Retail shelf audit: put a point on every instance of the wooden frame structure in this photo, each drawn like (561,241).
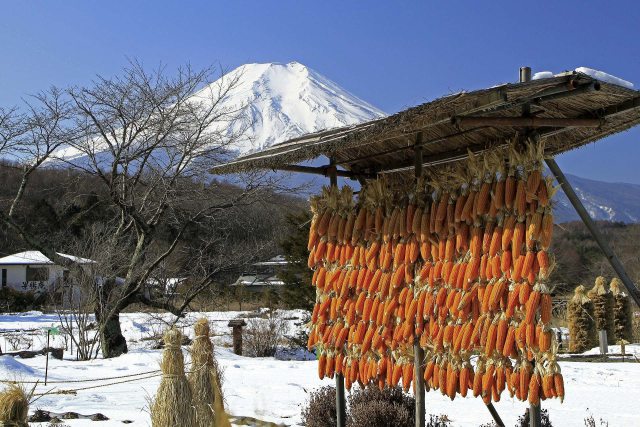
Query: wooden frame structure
(566,111)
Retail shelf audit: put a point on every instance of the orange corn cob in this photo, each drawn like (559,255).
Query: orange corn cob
(545,308)
(532,306)
(509,191)
(534,389)
(509,341)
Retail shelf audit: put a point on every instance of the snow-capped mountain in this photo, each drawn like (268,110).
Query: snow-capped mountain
(276,102)
(603,200)
(288,100)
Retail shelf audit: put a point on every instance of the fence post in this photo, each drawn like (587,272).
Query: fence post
(237,325)
(46,366)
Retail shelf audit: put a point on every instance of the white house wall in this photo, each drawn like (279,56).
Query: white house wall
(17,276)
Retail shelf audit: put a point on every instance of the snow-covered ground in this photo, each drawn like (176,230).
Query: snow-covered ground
(275,390)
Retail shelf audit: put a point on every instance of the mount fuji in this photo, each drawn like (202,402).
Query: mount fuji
(284,101)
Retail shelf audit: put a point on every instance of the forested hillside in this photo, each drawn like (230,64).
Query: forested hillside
(66,209)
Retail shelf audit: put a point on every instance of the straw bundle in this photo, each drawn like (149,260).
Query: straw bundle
(173,403)
(582,332)
(603,308)
(205,378)
(621,312)
(14,407)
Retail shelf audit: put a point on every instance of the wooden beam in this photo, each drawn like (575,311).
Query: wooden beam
(317,170)
(530,122)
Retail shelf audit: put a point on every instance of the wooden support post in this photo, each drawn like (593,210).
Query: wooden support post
(236,326)
(341,406)
(604,345)
(535,416)
(595,233)
(525,76)
(495,415)
(418,378)
(418,352)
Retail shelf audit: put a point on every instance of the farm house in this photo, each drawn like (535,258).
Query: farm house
(33,271)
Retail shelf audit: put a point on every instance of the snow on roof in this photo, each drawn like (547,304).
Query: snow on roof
(596,74)
(38,258)
(276,260)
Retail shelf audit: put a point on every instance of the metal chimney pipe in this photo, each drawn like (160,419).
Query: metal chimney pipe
(525,74)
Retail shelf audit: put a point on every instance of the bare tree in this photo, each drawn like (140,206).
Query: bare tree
(147,140)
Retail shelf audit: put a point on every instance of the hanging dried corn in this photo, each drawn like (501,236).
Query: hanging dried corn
(459,263)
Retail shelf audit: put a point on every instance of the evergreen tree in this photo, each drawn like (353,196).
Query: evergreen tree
(298,292)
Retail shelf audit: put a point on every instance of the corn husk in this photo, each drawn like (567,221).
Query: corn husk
(14,406)
(173,403)
(582,332)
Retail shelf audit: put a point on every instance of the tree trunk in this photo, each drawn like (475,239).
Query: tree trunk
(112,341)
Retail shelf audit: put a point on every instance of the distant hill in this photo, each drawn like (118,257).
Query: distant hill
(618,202)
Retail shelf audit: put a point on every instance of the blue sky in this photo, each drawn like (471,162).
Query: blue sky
(392,54)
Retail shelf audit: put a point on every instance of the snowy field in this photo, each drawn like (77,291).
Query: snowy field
(275,390)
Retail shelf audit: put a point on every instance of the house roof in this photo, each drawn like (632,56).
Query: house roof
(258,280)
(276,260)
(38,258)
(566,111)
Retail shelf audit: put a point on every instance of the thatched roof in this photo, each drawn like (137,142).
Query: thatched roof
(566,111)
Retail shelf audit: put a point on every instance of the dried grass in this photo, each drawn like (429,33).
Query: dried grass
(582,331)
(622,316)
(603,308)
(14,406)
(205,380)
(173,404)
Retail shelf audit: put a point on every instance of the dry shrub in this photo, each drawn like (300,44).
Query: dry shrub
(390,407)
(320,411)
(262,336)
(205,380)
(14,406)
(603,308)
(622,316)
(582,332)
(173,405)
(545,421)
(441,420)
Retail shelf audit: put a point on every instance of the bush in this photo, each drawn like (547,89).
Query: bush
(262,336)
(591,422)
(438,421)
(366,408)
(390,407)
(523,420)
(12,300)
(321,408)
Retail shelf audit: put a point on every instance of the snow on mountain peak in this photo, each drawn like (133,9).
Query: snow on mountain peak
(288,100)
(279,102)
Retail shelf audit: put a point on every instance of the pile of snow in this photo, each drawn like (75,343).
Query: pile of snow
(12,369)
(596,74)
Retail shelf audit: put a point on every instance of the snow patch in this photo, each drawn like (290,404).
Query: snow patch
(542,75)
(596,74)
(605,77)
(10,368)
